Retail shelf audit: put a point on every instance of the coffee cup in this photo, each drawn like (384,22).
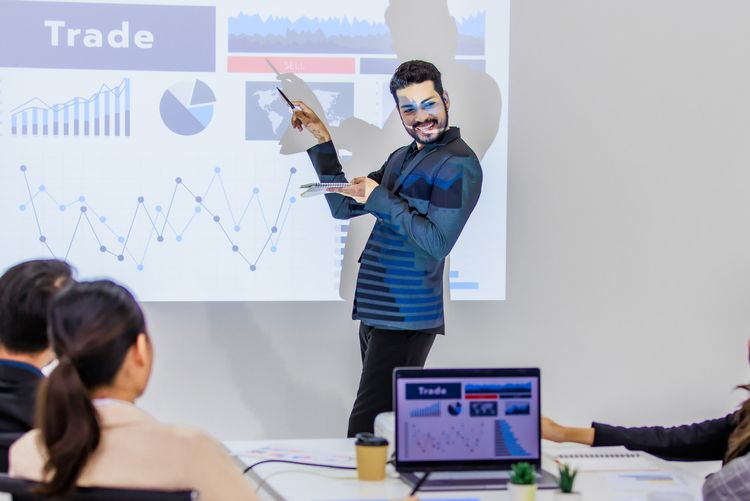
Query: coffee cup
(372,454)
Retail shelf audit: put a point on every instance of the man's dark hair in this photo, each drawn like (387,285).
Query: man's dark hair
(26,291)
(414,72)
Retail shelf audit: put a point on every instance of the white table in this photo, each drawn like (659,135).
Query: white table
(280,481)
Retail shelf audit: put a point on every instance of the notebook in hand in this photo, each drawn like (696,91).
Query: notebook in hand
(467,426)
(313,189)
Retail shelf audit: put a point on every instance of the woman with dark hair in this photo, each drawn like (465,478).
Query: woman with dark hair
(89,431)
(726,439)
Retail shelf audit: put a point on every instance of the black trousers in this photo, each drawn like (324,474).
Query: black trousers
(382,351)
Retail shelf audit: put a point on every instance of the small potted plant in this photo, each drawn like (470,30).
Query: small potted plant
(565,482)
(522,485)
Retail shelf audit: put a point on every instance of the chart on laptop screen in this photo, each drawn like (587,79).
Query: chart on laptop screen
(477,419)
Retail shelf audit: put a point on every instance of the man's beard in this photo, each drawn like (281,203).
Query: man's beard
(412,130)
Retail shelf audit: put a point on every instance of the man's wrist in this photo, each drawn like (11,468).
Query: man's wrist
(323,137)
(371,199)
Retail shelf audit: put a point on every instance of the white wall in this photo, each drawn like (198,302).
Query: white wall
(628,243)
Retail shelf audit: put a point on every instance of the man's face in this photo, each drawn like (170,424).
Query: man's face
(423,111)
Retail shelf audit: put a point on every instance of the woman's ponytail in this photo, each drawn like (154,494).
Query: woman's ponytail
(92,326)
(69,427)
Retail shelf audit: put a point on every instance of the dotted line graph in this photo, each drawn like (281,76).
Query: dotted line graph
(160,222)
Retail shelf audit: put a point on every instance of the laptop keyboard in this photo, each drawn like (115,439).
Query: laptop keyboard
(472,480)
(468,475)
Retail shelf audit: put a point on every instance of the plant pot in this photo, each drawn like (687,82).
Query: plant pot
(519,492)
(568,496)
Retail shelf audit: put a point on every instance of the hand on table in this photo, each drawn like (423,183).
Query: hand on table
(559,433)
(552,431)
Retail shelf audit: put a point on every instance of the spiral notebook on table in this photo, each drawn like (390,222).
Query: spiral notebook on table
(313,189)
(602,459)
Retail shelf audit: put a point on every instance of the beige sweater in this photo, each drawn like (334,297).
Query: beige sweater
(136,451)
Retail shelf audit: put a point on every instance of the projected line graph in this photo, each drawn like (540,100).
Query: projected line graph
(161,220)
(104,113)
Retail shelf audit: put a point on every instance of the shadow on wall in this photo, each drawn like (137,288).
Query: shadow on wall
(281,384)
(285,376)
(419,29)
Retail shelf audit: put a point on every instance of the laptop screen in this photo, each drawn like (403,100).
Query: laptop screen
(466,418)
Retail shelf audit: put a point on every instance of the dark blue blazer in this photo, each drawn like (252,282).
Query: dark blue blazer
(421,208)
(704,441)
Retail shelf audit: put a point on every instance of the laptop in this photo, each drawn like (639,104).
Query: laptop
(467,427)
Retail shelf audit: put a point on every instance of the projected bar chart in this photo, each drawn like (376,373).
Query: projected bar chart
(104,113)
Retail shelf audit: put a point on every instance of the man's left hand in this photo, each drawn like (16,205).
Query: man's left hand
(360,189)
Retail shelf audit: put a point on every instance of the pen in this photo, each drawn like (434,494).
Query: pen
(419,483)
(286,99)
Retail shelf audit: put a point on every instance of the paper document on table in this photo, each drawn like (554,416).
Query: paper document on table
(602,459)
(421,499)
(312,189)
(657,485)
(294,454)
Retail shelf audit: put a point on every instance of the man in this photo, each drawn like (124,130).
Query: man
(25,293)
(422,197)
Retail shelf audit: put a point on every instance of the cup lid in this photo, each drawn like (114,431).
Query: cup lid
(368,439)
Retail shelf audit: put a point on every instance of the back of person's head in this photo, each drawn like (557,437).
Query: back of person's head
(94,327)
(26,290)
(414,72)
(739,440)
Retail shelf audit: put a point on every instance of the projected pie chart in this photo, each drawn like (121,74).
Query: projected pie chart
(187,107)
